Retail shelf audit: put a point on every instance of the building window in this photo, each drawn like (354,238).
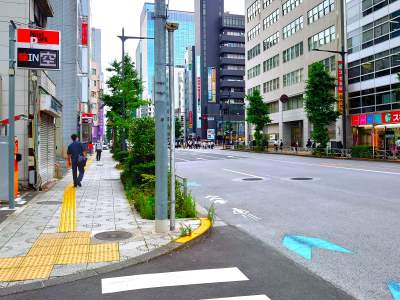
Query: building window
(266,3)
(295,102)
(320,10)
(233,45)
(253,10)
(254,72)
(329,63)
(271,19)
(369,6)
(234,56)
(322,38)
(94,83)
(232,67)
(271,63)
(293,27)
(375,66)
(292,78)
(271,41)
(374,33)
(250,91)
(233,33)
(293,52)
(273,107)
(93,71)
(253,52)
(271,85)
(290,5)
(253,32)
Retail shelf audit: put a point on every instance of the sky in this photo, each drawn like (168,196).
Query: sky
(111,15)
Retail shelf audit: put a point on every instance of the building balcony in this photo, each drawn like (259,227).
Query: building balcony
(233,50)
(231,84)
(232,61)
(232,38)
(238,73)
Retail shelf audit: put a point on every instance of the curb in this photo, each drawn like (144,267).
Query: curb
(144,258)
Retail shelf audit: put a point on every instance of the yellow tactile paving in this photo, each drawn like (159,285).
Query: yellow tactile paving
(33,261)
(95,257)
(72,258)
(111,247)
(8,263)
(77,234)
(58,235)
(76,241)
(49,242)
(7,274)
(28,273)
(74,249)
(68,211)
(42,251)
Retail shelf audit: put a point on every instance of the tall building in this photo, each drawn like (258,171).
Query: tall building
(96,88)
(373,41)
(183,38)
(72,19)
(219,67)
(35,97)
(280,38)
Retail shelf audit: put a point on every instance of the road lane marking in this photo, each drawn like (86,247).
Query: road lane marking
(216,199)
(241,173)
(245,213)
(255,297)
(358,169)
(157,280)
(179,158)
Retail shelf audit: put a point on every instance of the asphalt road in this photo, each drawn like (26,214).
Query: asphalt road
(353,204)
(267,273)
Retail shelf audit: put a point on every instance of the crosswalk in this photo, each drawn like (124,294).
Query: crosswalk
(180,278)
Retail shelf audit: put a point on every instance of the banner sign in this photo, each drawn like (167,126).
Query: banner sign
(376,119)
(198,108)
(340,85)
(214,85)
(190,119)
(38,49)
(209,85)
(85,33)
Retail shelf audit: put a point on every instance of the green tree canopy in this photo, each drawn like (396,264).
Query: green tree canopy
(320,102)
(124,96)
(178,128)
(258,115)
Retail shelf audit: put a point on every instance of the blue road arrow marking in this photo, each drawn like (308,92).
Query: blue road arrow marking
(193,184)
(303,245)
(394,288)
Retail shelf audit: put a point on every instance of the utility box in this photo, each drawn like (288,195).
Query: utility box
(4,168)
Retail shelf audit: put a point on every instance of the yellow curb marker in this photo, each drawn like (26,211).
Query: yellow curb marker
(205,224)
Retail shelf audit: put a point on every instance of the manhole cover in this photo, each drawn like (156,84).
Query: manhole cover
(49,202)
(301,178)
(113,235)
(252,179)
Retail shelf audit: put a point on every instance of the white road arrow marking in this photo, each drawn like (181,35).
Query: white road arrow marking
(216,199)
(245,214)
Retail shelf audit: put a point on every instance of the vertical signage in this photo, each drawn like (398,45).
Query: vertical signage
(85,33)
(190,119)
(214,85)
(340,85)
(209,84)
(198,108)
(38,49)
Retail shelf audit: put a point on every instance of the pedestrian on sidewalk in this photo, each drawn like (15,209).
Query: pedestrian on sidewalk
(281,145)
(99,149)
(276,145)
(77,160)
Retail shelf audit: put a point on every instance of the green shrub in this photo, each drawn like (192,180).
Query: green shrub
(361,152)
(121,156)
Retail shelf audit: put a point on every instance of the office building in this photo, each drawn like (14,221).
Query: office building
(280,38)
(219,67)
(183,38)
(373,42)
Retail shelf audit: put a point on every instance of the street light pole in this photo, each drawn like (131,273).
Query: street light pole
(123,39)
(171,27)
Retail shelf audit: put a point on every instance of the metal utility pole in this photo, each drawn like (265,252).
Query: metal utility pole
(11,114)
(161,116)
(171,27)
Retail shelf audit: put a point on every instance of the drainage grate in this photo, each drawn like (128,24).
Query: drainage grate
(252,179)
(301,178)
(113,235)
(49,202)
(111,179)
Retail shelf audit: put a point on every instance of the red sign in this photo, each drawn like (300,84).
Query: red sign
(87,115)
(376,119)
(84,33)
(190,119)
(355,120)
(38,36)
(340,66)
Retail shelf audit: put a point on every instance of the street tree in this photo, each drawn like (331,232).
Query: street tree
(124,97)
(178,129)
(258,115)
(320,102)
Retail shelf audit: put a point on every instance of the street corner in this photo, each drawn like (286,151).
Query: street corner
(205,226)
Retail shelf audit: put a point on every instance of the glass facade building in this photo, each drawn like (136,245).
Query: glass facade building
(184,37)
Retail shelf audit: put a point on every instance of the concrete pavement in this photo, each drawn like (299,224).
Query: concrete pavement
(353,204)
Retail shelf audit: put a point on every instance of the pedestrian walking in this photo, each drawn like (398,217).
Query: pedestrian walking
(276,145)
(77,160)
(281,146)
(309,144)
(99,149)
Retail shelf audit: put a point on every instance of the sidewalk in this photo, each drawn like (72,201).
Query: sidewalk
(55,234)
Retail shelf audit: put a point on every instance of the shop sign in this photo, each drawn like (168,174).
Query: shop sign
(210,134)
(376,119)
(38,49)
(190,119)
(340,86)
(85,33)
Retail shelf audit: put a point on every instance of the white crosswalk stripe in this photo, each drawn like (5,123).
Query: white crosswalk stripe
(193,277)
(255,297)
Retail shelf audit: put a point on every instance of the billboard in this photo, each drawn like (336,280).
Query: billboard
(38,49)
(212,85)
(198,102)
